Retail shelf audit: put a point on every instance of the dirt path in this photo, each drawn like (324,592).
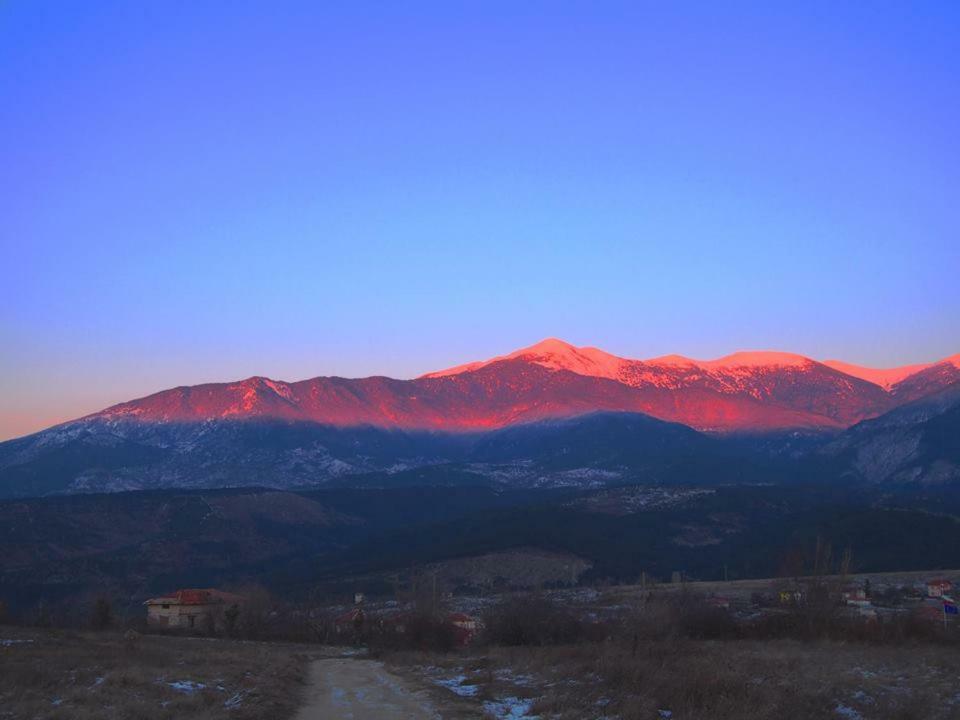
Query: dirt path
(355,689)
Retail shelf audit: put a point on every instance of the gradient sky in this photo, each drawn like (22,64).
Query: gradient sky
(205,191)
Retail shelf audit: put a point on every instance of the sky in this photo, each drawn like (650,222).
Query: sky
(195,192)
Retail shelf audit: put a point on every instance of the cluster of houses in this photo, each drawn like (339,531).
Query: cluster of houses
(356,621)
(930,598)
(210,610)
(214,611)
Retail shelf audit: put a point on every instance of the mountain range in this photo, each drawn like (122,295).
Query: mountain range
(742,391)
(549,414)
(620,466)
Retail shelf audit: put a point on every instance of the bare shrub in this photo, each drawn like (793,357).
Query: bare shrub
(532,619)
(101,616)
(253,619)
(421,631)
(682,615)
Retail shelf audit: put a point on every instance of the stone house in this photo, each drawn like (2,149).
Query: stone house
(192,609)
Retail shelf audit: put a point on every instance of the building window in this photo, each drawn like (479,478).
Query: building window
(165,607)
(192,618)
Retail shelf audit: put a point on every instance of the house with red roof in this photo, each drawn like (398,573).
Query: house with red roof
(191,609)
(350,622)
(938,587)
(466,627)
(855,595)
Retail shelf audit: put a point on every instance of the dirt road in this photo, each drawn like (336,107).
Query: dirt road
(355,689)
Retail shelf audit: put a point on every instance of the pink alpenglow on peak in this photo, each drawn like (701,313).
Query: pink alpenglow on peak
(758,358)
(553,354)
(678,360)
(556,354)
(559,355)
(884,377)
(745,391)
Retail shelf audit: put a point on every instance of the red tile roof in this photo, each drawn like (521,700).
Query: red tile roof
(350,616)
(460,617)
(207,596)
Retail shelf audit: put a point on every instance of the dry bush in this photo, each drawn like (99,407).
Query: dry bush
(421,631)
(101,617)
(799,624)
(532,619)
(684,615)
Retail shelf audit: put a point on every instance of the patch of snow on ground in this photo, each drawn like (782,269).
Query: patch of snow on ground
(509,708)
(186,686)
(508,675)
(455,684)
(845,711)
(352,652)
(233,701)
(9,643)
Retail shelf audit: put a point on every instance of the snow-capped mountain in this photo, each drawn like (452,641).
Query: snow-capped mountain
(751,390)
(263,431)
(553,379)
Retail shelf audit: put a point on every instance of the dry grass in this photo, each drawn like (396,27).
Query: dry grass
(758,679)
(63,675)
(716,680)
(679,657)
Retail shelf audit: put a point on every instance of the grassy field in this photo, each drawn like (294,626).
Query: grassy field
(671,654)
(622,652)
(74,676)
(694,680)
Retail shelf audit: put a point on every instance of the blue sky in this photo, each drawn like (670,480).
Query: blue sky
(206,191)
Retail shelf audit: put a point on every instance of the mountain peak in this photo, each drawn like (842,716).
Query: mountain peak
(759,358)
(550,344)
(559,355)
(679,360)
(554,354)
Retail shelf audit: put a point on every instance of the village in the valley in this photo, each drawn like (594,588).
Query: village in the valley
(522,653)
(857,599)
